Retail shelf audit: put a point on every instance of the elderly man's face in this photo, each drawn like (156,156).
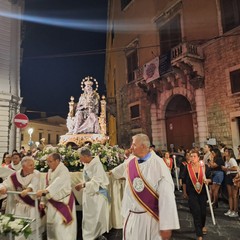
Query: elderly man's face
(85,159)
(52,163)
(28,167)
(137,147)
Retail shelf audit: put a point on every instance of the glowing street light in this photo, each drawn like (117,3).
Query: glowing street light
(30,132)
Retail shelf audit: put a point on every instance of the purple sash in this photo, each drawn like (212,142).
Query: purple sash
(141,190)
(64,209)
(18,187)
(10,166)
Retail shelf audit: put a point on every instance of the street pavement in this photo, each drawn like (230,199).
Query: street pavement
(226,228)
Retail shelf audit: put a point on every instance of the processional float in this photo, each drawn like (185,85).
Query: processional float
(84,123)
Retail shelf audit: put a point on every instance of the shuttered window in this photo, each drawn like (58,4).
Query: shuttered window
(235,81)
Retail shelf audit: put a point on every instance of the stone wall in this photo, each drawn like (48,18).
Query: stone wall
(221,57)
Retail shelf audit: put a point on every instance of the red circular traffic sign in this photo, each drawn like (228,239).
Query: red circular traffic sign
(21,120)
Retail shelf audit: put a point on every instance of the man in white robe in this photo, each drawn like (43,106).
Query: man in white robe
(16,162)
(95,197)
(60,202)
(24,180)
(138,222)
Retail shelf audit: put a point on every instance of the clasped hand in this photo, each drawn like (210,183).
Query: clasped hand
(79,186)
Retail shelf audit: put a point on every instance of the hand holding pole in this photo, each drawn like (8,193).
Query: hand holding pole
(208,194)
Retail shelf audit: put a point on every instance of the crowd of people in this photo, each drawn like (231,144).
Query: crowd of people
(149,208)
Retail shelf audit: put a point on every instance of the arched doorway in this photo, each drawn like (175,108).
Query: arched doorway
(179,123)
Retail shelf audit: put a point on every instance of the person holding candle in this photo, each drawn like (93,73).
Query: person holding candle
(193,179)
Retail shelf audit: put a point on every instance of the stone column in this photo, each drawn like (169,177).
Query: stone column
(201,116)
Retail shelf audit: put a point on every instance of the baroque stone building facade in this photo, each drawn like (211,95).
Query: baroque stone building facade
(10,54)
(196,95)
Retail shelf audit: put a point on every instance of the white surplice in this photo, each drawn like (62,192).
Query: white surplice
(143,225)
(95,205)
(18,207)
(59,189)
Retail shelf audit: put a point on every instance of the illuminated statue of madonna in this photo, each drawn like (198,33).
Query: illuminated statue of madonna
(87,110)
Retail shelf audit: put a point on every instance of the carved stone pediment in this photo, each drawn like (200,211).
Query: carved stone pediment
(197,82)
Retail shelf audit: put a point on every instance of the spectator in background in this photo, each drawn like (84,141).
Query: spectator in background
(7,158)
(207,152)
(16,162)
(221,147)
(181,150)
(215,163)
(22,151)
(168,160)
(14,151)
(231,170)
(157,151)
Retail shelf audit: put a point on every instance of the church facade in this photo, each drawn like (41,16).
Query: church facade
(10,54)
(173,71)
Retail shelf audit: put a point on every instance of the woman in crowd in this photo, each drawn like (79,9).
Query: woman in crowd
(168,161)
(6,159)
(215,163)
(193,179)
(231,169)
(207,152)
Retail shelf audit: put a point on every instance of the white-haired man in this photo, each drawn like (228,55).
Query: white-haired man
(95,197)
(24,180)
(148,207)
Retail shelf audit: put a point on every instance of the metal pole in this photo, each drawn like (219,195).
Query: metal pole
(208,194)
(176,172)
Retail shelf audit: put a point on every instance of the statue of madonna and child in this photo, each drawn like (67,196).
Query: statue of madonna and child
(84,118)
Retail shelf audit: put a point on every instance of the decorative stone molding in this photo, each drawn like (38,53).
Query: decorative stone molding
(197,82)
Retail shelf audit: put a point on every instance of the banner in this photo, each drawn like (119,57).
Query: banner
(151,70)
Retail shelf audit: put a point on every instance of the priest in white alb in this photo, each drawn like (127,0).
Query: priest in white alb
(24,180)
(95,197)
(148,206)
(59,200)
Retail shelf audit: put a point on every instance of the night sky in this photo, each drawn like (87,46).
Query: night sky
(49,76)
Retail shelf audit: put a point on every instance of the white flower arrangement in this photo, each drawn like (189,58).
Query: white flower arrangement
(15,225)
(110,156)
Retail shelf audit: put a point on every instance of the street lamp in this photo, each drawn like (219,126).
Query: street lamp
(30,132)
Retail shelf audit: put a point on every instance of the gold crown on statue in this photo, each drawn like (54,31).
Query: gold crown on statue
(89,81)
